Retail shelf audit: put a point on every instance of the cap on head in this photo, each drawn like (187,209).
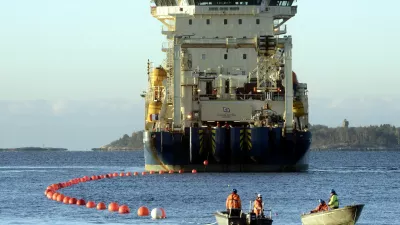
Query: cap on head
(234,190)
(259,196)
(321,201)
(333,191)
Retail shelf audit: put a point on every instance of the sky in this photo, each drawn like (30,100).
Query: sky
(71,71)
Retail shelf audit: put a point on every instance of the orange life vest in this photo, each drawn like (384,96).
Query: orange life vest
(257,209)
(233,202)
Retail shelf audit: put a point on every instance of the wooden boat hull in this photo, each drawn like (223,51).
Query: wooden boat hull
(347,215)
(245,219)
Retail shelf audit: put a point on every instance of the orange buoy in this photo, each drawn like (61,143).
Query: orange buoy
(151,172)
(110,175)
(86,178)
(81,202)
(115,174)
(90,204)
(194,171)
(124,209)
(101,206)
(60,198)
(122,174)
(66,200)
(135,173)
(143,211)
(205,162)
(128,174)
(50,195)
(171,171)
(54,197)
(72,201)
(113,207)
(82,180)
(94,177)
(143,173)
(103,176)
(47,191)
(180,171)
(164,215)
(161,172)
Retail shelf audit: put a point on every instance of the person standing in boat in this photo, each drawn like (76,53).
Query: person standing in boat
(321,207)
(333,200)
(258,206)
(233,203)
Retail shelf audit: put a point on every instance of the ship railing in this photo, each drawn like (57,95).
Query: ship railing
(278,97)
(248,97)
(230,97)
(228,10)
(207,97)
(167,46)
(155,93)
(170,90)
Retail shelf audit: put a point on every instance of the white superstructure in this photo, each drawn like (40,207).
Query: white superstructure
(226,61)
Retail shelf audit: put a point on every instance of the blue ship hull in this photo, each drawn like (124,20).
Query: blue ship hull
(259,149)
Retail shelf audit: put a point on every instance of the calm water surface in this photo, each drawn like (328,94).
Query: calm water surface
(372,178)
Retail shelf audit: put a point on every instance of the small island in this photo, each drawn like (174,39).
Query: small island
(31,149)
(125,143)
(382,137)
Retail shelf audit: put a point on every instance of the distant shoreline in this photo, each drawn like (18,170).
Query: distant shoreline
(110,149)
(29,149)
(355,147)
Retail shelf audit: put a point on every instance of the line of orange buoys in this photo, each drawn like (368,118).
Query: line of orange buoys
(52,193)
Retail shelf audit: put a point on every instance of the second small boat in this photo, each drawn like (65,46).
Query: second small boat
(347,215)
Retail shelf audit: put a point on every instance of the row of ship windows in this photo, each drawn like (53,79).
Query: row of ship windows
(203,56)
(208,21)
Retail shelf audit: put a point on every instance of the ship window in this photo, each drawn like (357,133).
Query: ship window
(257,21)
(240,21)
(209,88)
(225,56)
(190,21)
(203,56)
(244,56)
(208,21)
(225,21)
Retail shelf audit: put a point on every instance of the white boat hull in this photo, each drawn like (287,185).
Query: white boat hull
(347,215)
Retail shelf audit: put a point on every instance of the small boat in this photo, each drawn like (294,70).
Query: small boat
(226,218)
(347,215)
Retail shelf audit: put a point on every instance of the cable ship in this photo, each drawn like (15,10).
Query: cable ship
(225,98)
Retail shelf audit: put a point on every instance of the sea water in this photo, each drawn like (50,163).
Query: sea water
(371,178)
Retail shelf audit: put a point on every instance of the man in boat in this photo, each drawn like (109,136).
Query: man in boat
(258,206)
(321,207)
(233,203)
(333,200)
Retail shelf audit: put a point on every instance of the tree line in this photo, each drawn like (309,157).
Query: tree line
(369,137)
(323,137)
